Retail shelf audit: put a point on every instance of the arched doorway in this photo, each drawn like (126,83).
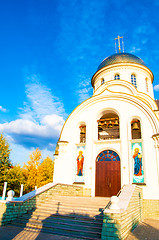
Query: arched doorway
(108,177)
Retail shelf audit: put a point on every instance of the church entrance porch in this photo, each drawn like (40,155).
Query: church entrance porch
(108,175)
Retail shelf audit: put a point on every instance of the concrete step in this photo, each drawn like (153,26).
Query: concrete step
(59,233)
(44,215)
(85,200)
(78,217)
(64,207)
(97,222)
(61,230)
(67,212)
(60,224)
(93,199)
(73,204)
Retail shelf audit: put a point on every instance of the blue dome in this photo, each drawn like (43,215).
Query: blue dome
(121,58)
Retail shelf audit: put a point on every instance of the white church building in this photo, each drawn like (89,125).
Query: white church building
(111,139)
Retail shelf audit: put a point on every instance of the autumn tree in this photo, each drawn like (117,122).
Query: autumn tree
(37,172)
(5,163)
(45,170)
(30,170)
(15,178)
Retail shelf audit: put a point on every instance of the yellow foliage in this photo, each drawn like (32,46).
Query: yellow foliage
(46,169)
(36,173)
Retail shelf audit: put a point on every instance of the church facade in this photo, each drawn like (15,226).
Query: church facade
(111,139)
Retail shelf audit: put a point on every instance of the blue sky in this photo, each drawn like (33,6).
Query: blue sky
(49,51)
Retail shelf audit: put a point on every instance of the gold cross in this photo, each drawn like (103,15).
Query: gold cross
(119,44)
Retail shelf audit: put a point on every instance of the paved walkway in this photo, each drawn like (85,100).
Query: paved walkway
(17,233)
(146,230)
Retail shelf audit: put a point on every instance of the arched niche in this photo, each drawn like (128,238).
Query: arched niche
(108,126)
(82,130)
(135,129)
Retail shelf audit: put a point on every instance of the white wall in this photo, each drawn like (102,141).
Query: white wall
(127,104)
(125,74)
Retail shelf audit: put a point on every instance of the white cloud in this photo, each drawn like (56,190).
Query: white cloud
(156,87)
(84,94)
(2,109)
(41,100)
(40,121)
(53,121)
(22,129)
(135,49)
(84,90)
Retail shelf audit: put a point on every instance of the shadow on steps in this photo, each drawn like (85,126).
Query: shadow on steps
(72,225)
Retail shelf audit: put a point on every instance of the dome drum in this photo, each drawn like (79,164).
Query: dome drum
(117,60)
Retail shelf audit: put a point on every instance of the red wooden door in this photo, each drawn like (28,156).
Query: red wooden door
(108,179)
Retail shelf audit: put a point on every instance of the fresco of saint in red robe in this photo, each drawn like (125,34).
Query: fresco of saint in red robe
(80,161)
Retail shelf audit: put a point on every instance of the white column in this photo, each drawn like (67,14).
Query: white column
(4,191)
(124,161)
(156,144)
(21,190)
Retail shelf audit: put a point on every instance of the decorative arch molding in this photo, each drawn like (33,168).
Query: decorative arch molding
(134,73)
(131,90)
(136,117)
(110,85)
(81,123)
(136,101)
(107,155)
(106,110)
(108,149)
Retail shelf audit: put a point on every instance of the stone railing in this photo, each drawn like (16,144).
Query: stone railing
(123,215)
(28,202)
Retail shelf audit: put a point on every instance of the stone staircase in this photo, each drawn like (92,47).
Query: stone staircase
(76,217)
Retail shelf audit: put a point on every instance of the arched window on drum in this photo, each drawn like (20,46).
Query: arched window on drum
(147,86)
(135,129)
(82,133)
(133,80)
(102,81)
(117,77)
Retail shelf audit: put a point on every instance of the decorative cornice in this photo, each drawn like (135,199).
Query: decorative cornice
(107,141)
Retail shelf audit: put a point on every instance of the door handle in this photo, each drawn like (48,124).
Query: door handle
(108,183)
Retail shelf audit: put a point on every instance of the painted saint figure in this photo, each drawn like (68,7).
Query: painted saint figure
(137,162)
(80,161)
